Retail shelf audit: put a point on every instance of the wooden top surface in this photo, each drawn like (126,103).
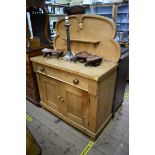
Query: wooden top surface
(94,73)
(92,33)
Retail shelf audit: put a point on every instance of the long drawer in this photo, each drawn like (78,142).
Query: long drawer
(66,77)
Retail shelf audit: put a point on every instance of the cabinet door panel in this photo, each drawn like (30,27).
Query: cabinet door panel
(51,93)
(69,101)
(76,107)
(49,89)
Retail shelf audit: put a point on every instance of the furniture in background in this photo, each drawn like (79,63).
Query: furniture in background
(32,92)
(122,74)
(38,17)
(37,38)
(122,23)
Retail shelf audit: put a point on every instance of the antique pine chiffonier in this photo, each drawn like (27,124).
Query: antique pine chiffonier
(80,95)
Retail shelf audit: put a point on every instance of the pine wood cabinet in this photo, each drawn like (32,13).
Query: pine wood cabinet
(80,95)
(85,104)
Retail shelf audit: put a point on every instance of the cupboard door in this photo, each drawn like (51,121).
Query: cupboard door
(76,105)
(49,91)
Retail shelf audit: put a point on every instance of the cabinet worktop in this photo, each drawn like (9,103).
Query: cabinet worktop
(94,73)
(80,95)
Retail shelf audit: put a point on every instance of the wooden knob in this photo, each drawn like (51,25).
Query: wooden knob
(62,100)
(75,81)
(59,97)
(42,69)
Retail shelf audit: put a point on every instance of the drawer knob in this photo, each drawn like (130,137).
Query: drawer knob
(59,97)
(42,69)
(75,81)
(62,100)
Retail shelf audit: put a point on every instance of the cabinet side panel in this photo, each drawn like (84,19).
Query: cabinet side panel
(106,94)
(92,110)
(39,86)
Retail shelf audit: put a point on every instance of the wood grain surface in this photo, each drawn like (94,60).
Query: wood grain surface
(91,33)
(94,73)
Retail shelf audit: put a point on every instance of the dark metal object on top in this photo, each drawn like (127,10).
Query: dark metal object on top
(69,55)
(71,11)
(68,35)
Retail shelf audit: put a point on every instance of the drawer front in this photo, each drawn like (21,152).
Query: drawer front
(66,77)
